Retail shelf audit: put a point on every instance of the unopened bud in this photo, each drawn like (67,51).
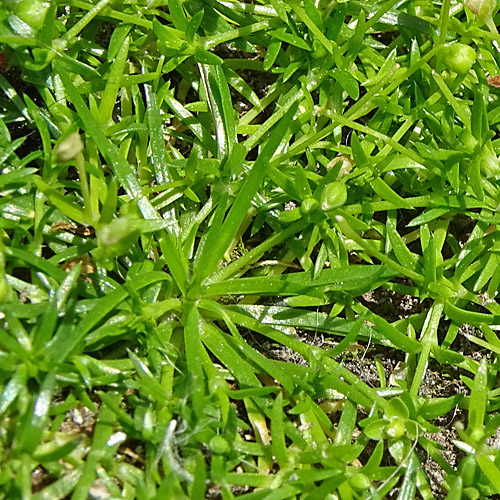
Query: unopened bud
(482,8)
(334,195)
(69,148)
(459,57)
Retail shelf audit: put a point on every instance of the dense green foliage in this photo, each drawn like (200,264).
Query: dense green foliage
(190,187)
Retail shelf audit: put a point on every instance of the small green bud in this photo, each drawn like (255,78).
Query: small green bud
(359,481)
(309,205)
(219,445)
(458,57)
(489,162)
(69,148)
(59,45)
(484,10)
(334,195)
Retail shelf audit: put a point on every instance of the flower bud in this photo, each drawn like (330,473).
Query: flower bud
(359,481)
(477,435)
(69,148)
(308,206)
(482,8)
(114,239)
(219,445)
(334,195)
(458,57)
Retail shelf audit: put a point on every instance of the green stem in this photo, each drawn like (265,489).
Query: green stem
(290,98)
(73,32)
(346,122)
(451,99)
(114,14)
(397,136)
(384,9)
(371,250)
(444,17)
(257,252)
(429,339)
(492,26)
(82,174)
(362,107)
(227,36)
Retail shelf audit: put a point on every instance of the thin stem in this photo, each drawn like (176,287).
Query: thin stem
(429,339)
(254,254)
(444,17)
(451,99)
(73,32)
(370,249)
(227,36)
(346,122)
(384,9)
(82,174)
(357,109)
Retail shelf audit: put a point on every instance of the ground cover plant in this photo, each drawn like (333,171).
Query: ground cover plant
(249,249)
